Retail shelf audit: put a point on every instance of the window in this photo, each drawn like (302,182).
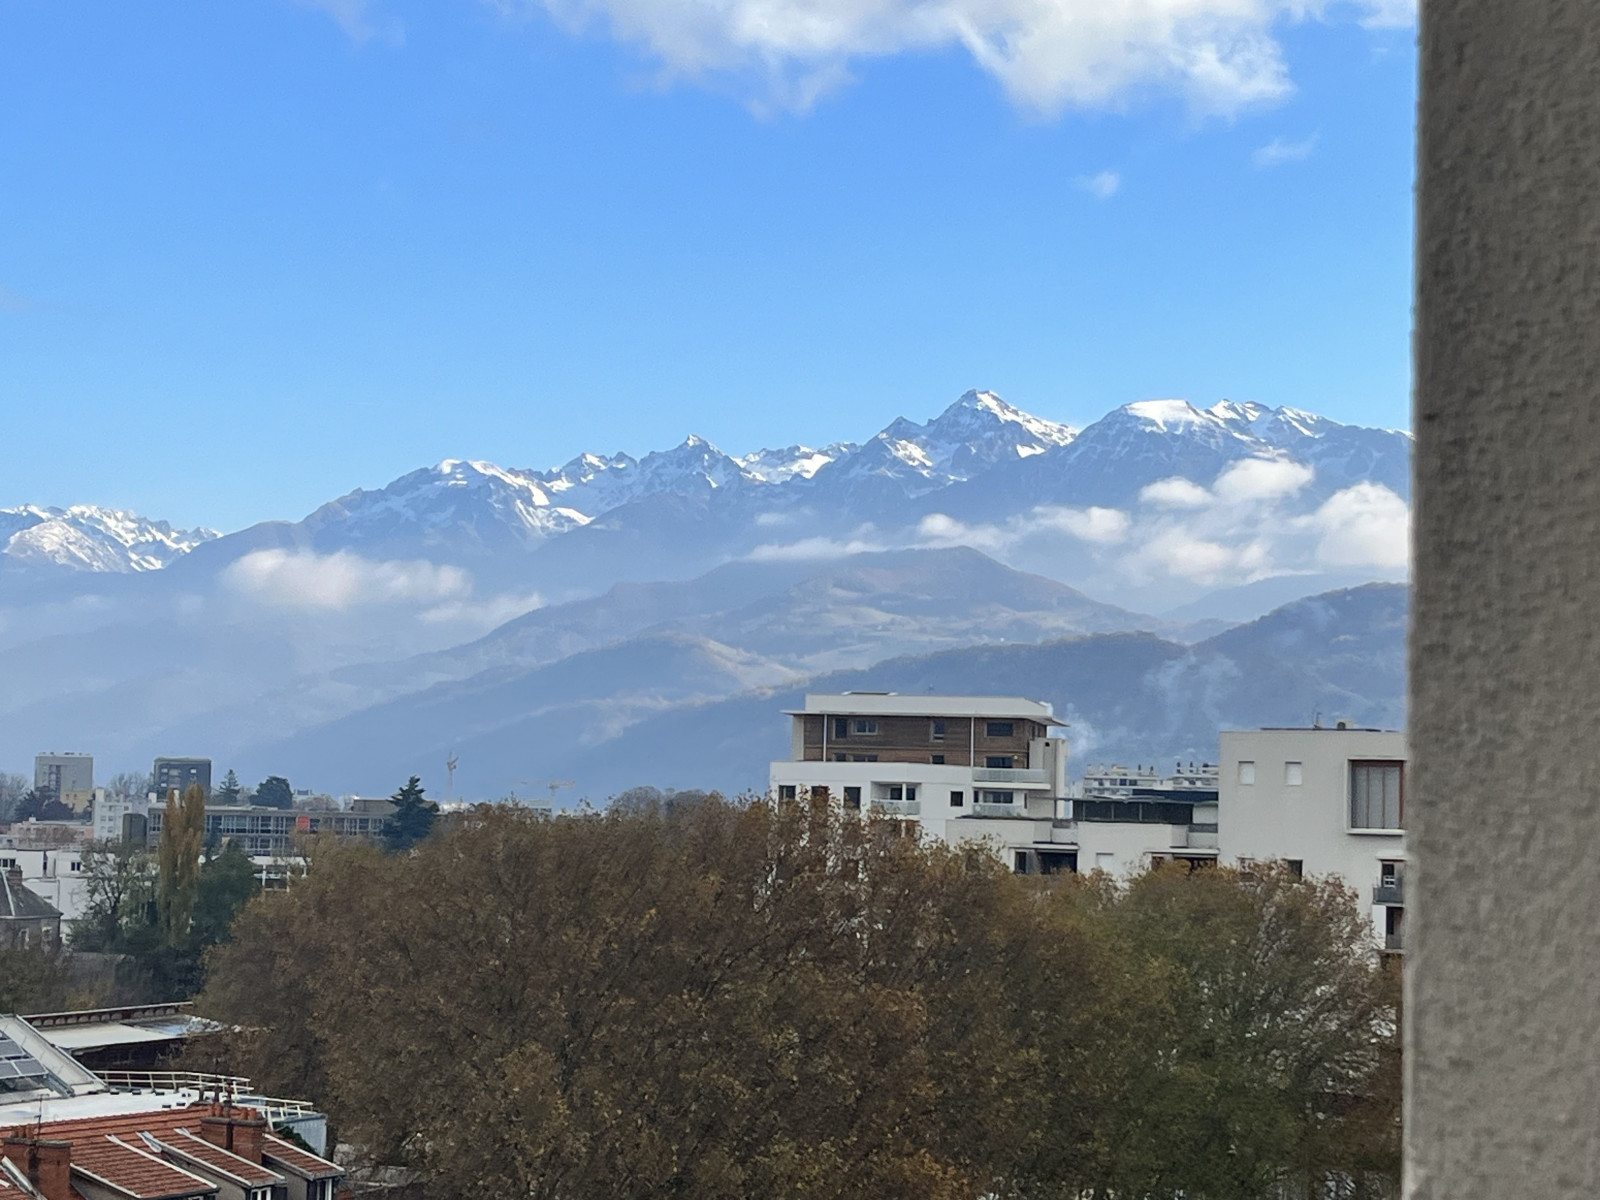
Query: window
(999,729)
(863,758)
(1377,795)
(1297,867)
(1020,863)
(864,725)
(786,791)
(936,759)
(75,866)
(852,798)
(841,727)
(1388,873)
(1000,761)
(998,797)
(911,791)
(896,792)
(841,757)
(1247,772)
(957,799)
(7,863)
(1293,774)
(936,730)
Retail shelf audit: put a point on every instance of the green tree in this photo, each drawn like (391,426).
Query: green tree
(119,883)
(33,980)
(226,884)
(13,788)
(229,791)
(413,816)
(40,804)
(178,857)
(273,792)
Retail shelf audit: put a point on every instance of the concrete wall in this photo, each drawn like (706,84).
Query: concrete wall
(1309,821)
(1503,945)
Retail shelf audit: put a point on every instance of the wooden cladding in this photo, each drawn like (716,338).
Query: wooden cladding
(960,740)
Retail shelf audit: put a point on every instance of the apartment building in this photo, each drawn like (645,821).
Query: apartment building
(1327,802)
(276,833)
(176,774)
(966,768)
(67,777)
(27,920)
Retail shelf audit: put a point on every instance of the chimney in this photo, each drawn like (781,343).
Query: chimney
(14,876)
(47,1164)
(240,1131)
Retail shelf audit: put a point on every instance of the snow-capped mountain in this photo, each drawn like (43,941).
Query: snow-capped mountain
(673,513)
(92,539)
(977,432)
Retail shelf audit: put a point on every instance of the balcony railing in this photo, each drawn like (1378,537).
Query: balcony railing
(897,808)
(1392,943)
(1390,891)
(235,1087)
(1015,775)
(1199,837)
(983,808)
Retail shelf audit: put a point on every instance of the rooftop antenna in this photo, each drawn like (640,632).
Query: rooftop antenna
(1316,719)
(450,773)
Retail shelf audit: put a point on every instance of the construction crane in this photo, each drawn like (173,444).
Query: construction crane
(450,771)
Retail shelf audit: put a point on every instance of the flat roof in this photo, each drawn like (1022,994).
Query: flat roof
(892,704)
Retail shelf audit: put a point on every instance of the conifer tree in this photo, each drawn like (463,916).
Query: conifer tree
(413,816)
(230,790)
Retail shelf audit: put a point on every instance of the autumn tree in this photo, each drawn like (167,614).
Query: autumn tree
(727,999)
(183,829)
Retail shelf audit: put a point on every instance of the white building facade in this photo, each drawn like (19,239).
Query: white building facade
(970,768)
(1327,802)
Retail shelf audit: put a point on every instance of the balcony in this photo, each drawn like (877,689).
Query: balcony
(982,809)
(897,808)
(1392,943)
(1064,831)
(1198,837)
(1390,891)
(1020,776)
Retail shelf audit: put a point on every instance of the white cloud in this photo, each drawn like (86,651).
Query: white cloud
(1102,186)
(1174,493)
(1101,526)
(812,548)
(1364,525)
(302,579)
(1220,56)
(1279,150)
(1095,526)
(1260,479)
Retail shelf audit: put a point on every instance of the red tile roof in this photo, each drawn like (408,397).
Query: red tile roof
(111,1149)
(188,1144)
(276,1150)
(133,1169)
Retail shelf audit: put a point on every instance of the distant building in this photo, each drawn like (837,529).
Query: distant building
(67,777)
(1327,802)
(176,774)
(119,820)
(26,920)
(51,870)
(276,833)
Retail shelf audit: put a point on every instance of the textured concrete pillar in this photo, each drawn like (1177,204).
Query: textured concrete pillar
(1503,935)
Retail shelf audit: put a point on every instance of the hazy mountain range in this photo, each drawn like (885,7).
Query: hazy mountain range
(544,622)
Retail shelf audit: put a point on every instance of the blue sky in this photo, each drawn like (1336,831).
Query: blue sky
(256,253)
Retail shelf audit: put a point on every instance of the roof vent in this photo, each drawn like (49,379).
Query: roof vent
(1342,725)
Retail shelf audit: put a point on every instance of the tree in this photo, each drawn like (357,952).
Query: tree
(229,791)
(33,980)
(183,831)
(413,816)
(726,999)
(130,785)
(40,804)
(13,788)
(273,792)
(226,884)
(119,883)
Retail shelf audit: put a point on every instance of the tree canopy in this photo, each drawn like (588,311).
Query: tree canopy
(726,1000)
(273,792)
(413,816)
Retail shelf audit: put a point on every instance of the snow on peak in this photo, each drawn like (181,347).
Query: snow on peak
(1167,414)
(86,537)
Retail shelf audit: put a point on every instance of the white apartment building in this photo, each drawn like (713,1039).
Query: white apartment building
(964,768)
(110,815)
(1328,802)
